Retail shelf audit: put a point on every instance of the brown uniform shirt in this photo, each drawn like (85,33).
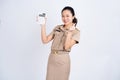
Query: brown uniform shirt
(59,37)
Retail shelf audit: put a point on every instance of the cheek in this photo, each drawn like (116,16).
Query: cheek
(62,18)
(70,19)
(67,19)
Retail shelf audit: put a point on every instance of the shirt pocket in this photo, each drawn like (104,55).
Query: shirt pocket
(57,33)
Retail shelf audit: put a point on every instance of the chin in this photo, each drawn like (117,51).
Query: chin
(66,23)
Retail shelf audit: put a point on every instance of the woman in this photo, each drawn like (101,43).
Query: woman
(64,37)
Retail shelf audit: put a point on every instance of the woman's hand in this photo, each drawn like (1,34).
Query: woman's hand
(70,31)
(45,38)
(69,41)
(41,20)
(72,28)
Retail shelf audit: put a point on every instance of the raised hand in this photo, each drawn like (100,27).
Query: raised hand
(41,20)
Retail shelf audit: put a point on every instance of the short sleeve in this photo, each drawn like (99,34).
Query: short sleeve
(52,33)
(76,37)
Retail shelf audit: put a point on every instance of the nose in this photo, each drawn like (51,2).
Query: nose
(64,18)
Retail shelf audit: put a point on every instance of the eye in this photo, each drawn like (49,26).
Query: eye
(63,16)
(67,16)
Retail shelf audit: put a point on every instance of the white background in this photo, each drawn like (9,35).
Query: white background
(24,57)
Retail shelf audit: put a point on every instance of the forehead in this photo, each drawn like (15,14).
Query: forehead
(66,12)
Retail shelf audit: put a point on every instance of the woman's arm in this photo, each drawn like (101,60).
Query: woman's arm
(69,42)
(44,37)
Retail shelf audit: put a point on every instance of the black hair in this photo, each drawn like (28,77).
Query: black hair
(73,13)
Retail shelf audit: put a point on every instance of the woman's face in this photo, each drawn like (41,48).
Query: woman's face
(67,17)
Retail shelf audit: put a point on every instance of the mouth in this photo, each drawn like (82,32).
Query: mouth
(65,21)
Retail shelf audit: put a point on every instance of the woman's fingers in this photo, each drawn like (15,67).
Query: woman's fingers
(41,20)
(45,20)
(36,18)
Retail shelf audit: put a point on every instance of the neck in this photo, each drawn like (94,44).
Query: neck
(68,26)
